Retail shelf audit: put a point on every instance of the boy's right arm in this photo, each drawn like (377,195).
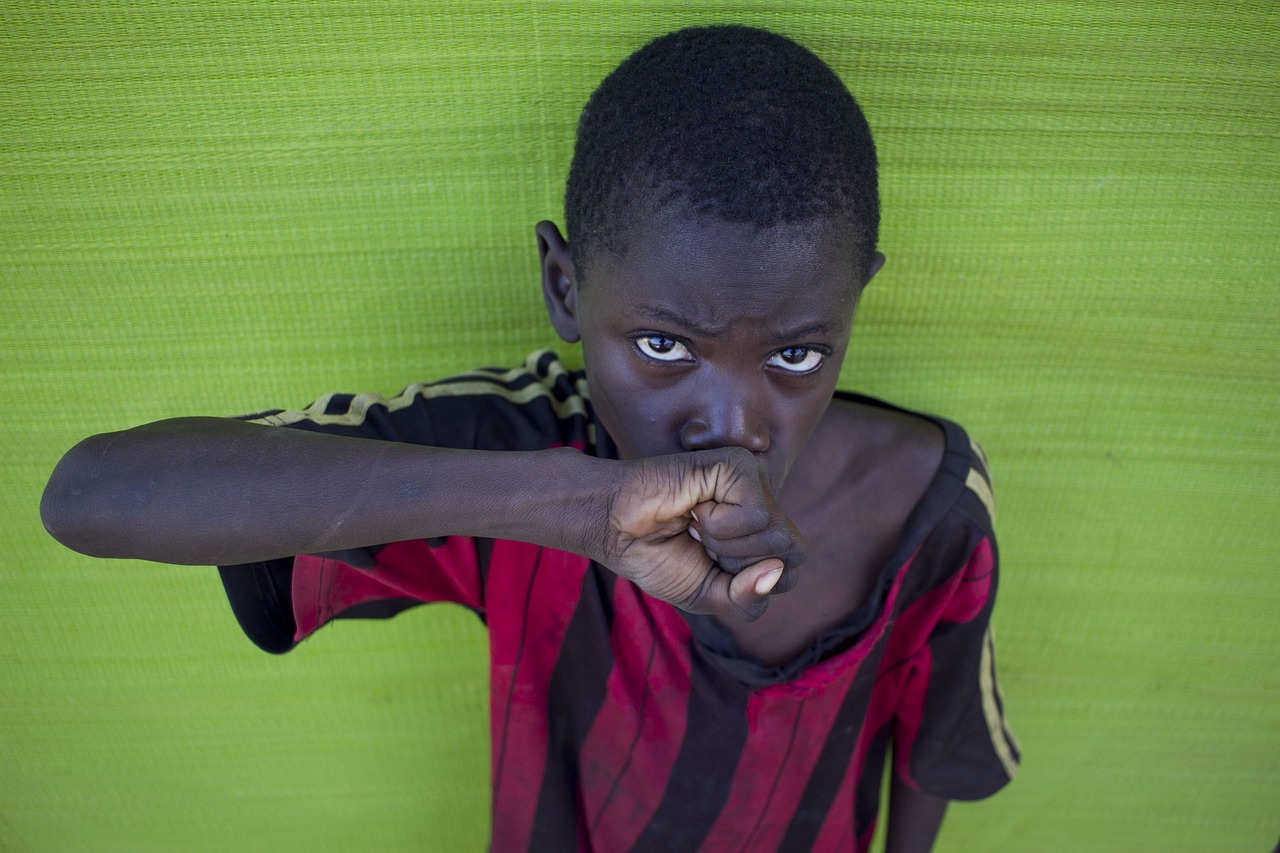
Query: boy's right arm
(213,491)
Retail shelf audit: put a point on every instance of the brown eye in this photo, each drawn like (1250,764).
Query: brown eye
(797,359)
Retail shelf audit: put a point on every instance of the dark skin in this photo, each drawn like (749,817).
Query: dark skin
(712,350)
(708,334)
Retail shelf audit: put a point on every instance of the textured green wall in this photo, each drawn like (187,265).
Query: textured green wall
(213,207)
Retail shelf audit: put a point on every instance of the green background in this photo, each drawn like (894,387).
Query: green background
(211,208)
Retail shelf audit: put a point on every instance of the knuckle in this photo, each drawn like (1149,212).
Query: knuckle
(758,517)
(798,553)
(779,538)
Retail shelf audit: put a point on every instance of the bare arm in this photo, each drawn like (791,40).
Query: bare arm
(914,819)
(203,491)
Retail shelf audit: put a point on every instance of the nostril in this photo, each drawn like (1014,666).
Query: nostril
(702,438)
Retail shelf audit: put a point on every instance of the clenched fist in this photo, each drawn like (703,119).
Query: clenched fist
(703,532)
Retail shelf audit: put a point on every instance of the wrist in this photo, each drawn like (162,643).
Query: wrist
(578,500)
(557,498)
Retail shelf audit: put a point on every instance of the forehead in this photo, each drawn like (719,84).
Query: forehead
(726,272)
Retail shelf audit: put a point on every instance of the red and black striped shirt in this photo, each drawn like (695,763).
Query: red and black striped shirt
(618,722)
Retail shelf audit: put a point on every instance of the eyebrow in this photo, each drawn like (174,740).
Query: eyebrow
(666,316)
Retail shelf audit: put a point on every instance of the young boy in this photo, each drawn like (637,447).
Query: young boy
(626,532)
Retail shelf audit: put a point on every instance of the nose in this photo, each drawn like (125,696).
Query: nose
(725,417)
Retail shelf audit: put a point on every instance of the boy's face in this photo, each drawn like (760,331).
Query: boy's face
(709,334)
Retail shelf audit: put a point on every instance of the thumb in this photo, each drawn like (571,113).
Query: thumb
(749,590)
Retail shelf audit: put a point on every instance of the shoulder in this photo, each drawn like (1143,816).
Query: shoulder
(539,403)
(879,434)
(872,454)
(900,468)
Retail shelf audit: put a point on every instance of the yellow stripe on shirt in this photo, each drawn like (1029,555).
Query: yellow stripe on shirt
(1001,739)
(475,383)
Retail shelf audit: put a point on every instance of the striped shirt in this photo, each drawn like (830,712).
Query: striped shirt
(619,723)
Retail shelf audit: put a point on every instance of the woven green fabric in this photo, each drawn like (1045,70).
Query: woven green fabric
(215,207)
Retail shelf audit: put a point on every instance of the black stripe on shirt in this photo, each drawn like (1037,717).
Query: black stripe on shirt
(702,775)
(577,689)
(833,761)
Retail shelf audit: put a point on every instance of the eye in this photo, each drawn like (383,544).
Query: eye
(797,359)
(662,348)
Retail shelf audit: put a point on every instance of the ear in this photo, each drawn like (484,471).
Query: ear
(877,262)
(559,285)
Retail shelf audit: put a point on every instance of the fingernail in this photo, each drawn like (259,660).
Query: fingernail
(694,534)
(694,514)
(767,581)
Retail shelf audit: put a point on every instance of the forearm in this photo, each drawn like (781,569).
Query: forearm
(203,491)
(914,819)
(206,491)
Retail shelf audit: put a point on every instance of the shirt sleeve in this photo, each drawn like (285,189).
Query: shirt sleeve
(534,406)
(402,574)
(951,738)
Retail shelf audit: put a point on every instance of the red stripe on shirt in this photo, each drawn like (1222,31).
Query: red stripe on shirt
(323,588)
(766,794)
(523,648)
(634,741)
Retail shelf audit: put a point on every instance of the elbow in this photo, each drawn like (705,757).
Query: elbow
(61,520)
(72,509)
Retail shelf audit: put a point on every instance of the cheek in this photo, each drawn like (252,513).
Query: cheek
(799,415)
(801,428)
(638,417)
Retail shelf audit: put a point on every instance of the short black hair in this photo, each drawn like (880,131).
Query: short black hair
(735,123)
